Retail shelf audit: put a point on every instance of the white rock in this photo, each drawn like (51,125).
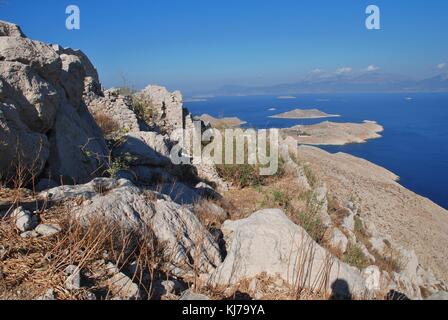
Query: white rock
(29,234)
(337,240)
(442,295)
(191,296)
(174,225)
(48,296)
(122,286)
(268,242)
(73,281)
(48,230)
(348,223)
(372,277)
(320,195)
(24,220)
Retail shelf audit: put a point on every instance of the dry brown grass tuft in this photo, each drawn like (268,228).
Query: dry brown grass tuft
(106,123)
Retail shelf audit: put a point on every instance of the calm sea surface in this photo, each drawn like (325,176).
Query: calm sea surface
(414,143)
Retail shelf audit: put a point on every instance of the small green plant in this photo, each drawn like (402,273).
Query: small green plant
(118,164)
(355,257)
(241,176)
(312,224)
(144,108)
(281,198)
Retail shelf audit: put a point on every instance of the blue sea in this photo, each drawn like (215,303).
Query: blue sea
(414,144)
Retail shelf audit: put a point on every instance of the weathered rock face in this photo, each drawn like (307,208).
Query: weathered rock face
(10,30)
(168,107)
(45,119)
(18,144)
(116,106)
(268,242)
(188,245)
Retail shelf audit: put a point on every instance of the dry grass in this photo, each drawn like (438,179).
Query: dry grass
(106,123)
(30,267)
(144,108)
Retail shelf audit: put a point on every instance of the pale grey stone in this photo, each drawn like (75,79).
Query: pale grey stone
(48,230)
(24,220)
(191,296)
(268,242)
(73,281)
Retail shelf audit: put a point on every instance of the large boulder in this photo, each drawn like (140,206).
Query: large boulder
(46,121)
(269,243)
(19,146)
(188,246)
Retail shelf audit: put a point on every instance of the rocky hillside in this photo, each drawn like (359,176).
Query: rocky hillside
(92,207)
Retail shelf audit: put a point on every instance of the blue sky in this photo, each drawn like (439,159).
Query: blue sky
(203,44)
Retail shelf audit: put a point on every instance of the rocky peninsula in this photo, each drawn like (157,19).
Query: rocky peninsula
(333,133)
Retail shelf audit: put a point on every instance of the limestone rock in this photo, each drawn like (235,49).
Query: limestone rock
(336,239)
(122,286)
(48,230)
(117,107)
(73,281)
(268,242)
(442,295)
(44,118)
(168,107)
(10,30)
(187,243)
(24,220)
(348,222)
(372,277)
(191,296)
(320,195)
(48,296)
(19,146)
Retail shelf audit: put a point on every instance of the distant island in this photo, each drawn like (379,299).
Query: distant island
(286,97)
(229,122)
(331,133)
(304,114)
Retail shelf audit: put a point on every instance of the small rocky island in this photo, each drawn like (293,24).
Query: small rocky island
(304,114)
(229,122)
(332,133)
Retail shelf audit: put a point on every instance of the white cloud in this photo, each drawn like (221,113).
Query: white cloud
(442,66)
(344,70)
(371,68)
(317,71)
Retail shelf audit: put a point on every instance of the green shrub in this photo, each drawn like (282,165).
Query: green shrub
(312,224)
(355,257)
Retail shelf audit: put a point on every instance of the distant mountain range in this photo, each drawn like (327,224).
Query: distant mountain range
(370,82)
